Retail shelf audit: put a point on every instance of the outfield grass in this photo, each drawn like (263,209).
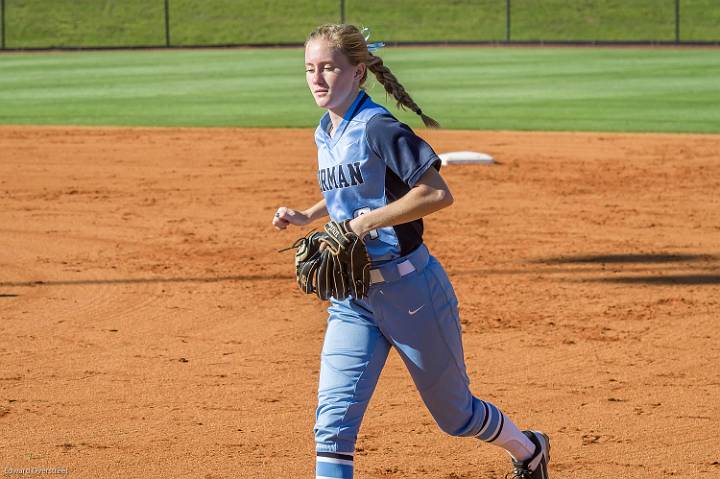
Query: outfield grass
(587,89)
(218,22)
(41,23)
(86,23)
(539,20)
(618,20)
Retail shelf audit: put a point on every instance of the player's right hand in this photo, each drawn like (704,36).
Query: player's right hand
(285,216)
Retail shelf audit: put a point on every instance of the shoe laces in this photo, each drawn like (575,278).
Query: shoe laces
(519,472)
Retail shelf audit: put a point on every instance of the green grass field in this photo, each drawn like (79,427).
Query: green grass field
(591,89)
(46,23)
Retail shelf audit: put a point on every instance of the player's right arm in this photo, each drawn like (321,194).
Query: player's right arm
(287,216)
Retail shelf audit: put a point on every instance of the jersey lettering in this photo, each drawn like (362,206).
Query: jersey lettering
(355,174)
(337,176)
(321,180)
(332,183)
(341,179)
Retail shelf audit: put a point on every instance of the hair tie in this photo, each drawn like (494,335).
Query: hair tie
(419,111)
(372,47)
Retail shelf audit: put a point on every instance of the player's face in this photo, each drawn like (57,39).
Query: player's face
(332,79)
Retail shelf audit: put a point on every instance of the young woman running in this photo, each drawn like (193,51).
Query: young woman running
(376,171)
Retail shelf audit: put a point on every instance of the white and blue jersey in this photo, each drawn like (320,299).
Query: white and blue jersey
(372,160)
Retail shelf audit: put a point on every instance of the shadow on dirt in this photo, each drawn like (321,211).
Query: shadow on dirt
(668,280)
(650,258)
(642,263)
(82,282)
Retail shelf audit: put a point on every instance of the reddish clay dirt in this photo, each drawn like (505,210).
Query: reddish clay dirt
(149,328)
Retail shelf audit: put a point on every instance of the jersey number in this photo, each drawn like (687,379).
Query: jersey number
(373,234)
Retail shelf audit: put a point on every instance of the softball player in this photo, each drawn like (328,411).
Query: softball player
(376,171)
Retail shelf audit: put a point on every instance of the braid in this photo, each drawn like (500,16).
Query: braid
(393,87)
(349,40)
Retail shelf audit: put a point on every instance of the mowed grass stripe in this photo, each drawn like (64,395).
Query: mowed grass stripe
(590,89)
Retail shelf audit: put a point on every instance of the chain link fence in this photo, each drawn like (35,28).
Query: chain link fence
(40,24)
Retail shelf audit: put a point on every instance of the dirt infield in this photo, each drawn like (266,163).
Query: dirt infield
(148,328)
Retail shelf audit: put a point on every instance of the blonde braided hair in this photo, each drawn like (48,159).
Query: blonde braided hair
(351,42)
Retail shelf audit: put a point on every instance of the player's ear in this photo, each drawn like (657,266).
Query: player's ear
(360,70)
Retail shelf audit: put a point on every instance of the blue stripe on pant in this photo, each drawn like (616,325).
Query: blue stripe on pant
(417,315)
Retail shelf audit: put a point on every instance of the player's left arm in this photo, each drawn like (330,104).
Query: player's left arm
(429,194)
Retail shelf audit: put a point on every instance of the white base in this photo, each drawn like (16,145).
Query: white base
(465,158)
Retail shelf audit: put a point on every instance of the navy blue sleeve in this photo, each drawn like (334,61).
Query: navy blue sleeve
(405,153)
